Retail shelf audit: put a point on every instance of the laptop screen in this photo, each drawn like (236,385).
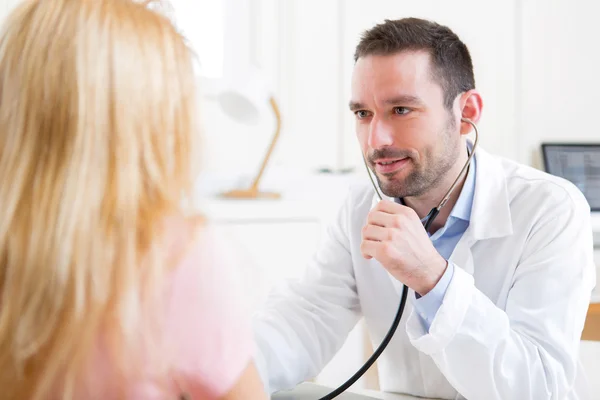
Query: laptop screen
(578,163)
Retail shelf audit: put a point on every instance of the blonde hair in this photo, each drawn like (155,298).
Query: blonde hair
(97,147)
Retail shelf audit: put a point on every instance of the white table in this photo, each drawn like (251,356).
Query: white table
(391,396)
(309,391)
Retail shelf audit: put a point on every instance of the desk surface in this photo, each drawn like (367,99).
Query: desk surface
(309,391)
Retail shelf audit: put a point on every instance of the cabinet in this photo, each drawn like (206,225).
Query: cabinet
(273,240)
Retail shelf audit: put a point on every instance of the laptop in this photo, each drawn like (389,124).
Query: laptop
(309,391)
(578,163)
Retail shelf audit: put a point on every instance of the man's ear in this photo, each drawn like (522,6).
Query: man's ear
(471,105)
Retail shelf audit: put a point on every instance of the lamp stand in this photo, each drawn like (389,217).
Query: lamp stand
(253,191)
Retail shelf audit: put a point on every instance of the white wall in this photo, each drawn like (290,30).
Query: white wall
(559,57)
(295,47)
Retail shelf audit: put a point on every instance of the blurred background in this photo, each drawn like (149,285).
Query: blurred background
(262,63)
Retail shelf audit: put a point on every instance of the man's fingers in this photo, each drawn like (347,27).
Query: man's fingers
(376,233)
(389,207)
(368,248)
(385,220)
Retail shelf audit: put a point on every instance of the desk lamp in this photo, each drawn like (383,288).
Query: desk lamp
(243,104)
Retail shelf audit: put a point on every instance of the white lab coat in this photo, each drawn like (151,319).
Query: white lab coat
(511,320)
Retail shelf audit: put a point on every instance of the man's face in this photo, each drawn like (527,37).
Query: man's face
(409,139)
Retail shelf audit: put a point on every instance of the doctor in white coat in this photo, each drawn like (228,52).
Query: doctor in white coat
(498,287)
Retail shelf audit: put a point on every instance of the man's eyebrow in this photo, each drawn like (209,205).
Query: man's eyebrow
(403,99)
(355,106)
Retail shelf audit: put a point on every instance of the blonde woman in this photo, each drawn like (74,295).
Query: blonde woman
(109,288)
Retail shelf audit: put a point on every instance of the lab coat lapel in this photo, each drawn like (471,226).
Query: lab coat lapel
(490,214)
(462,256)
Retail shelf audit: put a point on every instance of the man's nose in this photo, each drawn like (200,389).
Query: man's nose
(380,134)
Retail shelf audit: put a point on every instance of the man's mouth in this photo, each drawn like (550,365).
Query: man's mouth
(388,166)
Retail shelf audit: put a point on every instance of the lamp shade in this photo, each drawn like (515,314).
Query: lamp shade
(239,107)
(246,98)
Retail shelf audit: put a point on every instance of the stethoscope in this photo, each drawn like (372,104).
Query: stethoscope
(428,221)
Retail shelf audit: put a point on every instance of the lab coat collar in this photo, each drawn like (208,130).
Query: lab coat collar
(490,215)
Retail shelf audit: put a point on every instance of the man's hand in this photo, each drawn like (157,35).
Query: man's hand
(395,237)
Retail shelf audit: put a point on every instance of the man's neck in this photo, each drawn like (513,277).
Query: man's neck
(423,204)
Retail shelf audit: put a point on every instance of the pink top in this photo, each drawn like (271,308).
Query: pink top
(207,330)
(206,321)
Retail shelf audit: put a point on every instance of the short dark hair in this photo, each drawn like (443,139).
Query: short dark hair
(450,59)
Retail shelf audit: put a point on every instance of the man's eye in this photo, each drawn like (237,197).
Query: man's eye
(401,110)
(362,114)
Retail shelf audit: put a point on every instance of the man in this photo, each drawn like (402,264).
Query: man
(498,287)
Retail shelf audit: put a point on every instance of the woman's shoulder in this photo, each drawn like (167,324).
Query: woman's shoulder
(196,254)
(207,323)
